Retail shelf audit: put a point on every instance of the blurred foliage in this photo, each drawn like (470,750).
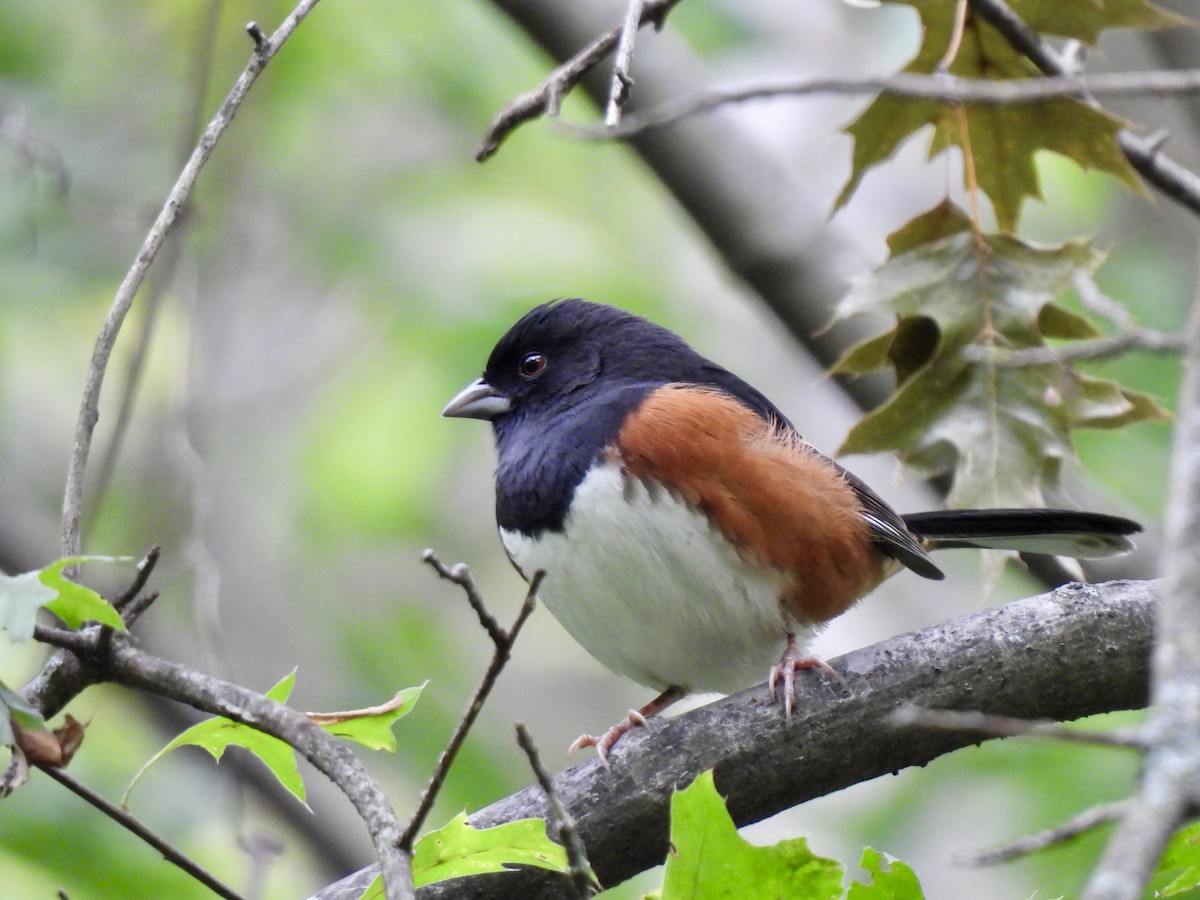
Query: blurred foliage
(347,267)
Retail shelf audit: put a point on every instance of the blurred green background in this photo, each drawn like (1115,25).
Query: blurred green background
(347,267)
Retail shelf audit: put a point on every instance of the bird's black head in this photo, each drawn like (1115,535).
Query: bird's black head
(557,388)
(557,353)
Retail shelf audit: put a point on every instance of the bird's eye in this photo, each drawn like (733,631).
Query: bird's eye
(532,365)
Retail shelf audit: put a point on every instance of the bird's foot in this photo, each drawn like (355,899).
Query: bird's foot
(604,742)
(791,662)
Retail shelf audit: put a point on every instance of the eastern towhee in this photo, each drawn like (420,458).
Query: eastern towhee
(688,533)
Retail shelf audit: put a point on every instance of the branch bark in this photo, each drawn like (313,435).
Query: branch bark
(1077,651)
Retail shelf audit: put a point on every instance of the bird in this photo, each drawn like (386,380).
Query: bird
(688,537)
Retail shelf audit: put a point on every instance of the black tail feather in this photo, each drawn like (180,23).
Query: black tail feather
(1059,532)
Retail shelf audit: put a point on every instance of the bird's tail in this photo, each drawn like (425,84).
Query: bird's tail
(1056,532)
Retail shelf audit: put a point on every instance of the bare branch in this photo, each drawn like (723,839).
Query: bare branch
(1169,788)
(461,575)
(89,408)
(908,716)
(582,881)
(503,641)
(622,83)
(1146,340)
(956,36)
(942,88)
(135,826)
(1096,301)
(545,99)
(1100,814)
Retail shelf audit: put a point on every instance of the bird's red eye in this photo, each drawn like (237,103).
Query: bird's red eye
(532,365)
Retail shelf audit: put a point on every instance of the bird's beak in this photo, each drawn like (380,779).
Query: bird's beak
(478,400)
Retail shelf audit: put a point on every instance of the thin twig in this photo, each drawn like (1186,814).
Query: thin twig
(503,641)
(145,568)
(1146,340)
(134,825)
(1144,154)
(1096,301)
(939,88)
(545,99)
(583,881)
(622,82)
(1007,726)
(461,575)
(958,29)
(1099,814)
(89,408)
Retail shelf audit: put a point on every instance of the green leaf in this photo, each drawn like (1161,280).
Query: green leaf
(218,733)
(21,596)
(76,604)
(709,859)
(1056,322)
(374,890)
(891,879)
(15,707)
(1083,20)
(1181,863)
(1002,140)
(865,357)
(458,849)
(944,220)
(371,727)
(960,304)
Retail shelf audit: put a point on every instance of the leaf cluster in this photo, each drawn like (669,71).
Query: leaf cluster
(963,299)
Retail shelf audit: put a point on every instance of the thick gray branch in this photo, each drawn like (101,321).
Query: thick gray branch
(1074,652)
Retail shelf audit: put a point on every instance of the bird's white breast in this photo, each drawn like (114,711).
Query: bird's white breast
(655,592)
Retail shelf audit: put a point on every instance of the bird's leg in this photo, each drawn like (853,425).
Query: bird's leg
(791,661)
(604,742)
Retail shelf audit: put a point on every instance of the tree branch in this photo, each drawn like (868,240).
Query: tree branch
(134,826)
(942,88)
(1077,651)
(120,661)
(1169,789)
(622,82)
(545,99)
(503,643)
(1100,814)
